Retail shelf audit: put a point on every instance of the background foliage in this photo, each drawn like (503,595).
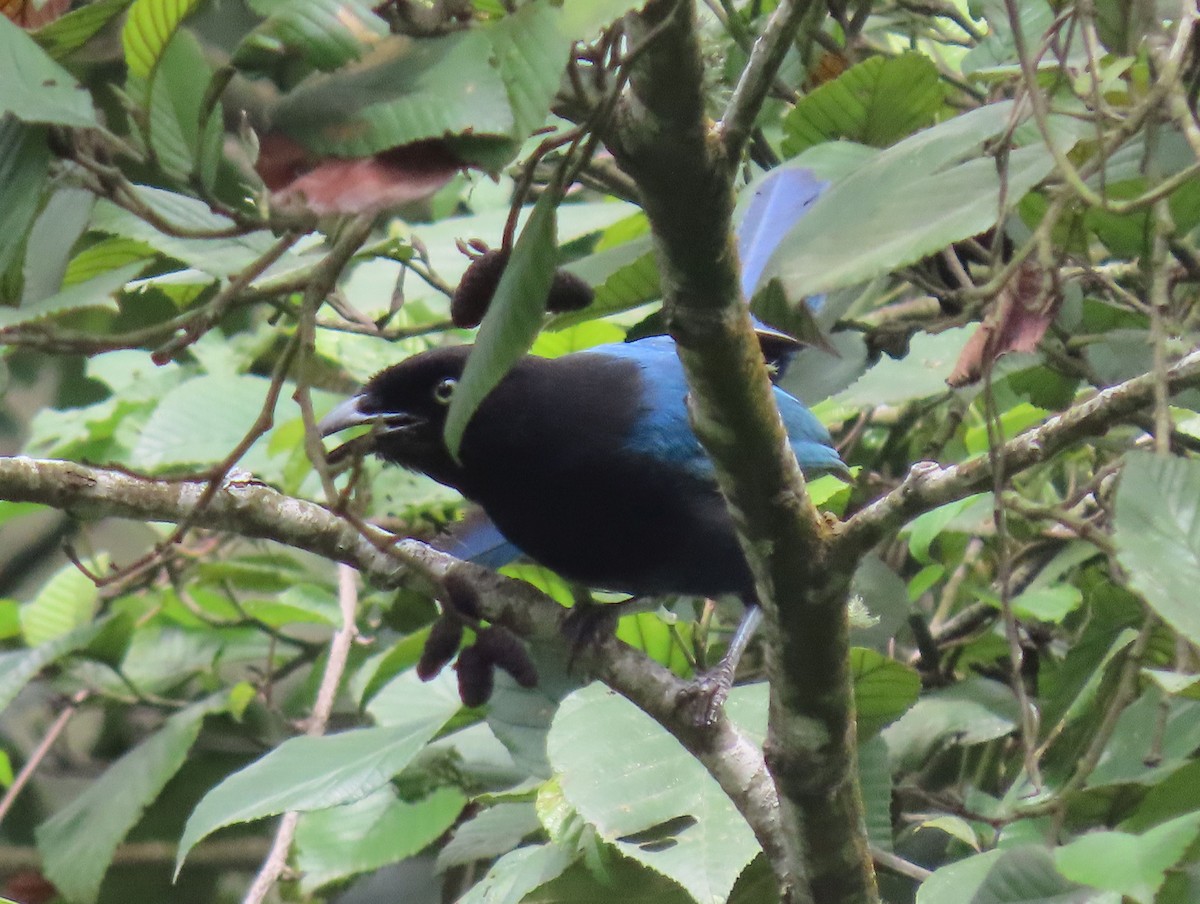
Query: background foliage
(1012,205)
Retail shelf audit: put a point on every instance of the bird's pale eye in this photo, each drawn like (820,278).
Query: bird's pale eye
(443,391)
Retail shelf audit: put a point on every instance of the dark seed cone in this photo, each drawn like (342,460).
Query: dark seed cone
(462,595)
(476,288)
(568,293)
(502,647)
(440,647)
(476,676)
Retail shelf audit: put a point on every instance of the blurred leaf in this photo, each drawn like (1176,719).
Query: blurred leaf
(370,833)
(76,28)
(970,712)
(1131,865)
(875,782)
(907,202)
(1048,604)
(517,873)
(877,102)
(19,666)
(403,90)
(37,89)
(530,49)
(78,842)
(67,601)
(512,320)
(97,292)
(1154,736)
(489,834)
(921,373)
(24,162)
(998,50)
(630,776)
(324,33)
(1017,875)
(148,30)
(310,773)
(1157,534)
(177,102)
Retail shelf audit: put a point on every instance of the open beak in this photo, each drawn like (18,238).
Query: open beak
(350,414)
(344,416)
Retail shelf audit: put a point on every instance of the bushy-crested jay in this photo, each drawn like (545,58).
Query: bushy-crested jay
(587,463)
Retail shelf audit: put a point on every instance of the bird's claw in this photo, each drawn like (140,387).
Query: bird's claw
(703,699)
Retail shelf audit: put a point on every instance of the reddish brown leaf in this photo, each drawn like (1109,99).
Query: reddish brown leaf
(29,15)
(1022,312)
(297,178)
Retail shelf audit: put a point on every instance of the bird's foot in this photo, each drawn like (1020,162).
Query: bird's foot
(703,698)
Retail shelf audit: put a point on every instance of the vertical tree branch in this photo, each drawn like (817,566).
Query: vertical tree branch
(679,161)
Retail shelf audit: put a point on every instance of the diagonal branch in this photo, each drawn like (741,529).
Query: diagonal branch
(254,510)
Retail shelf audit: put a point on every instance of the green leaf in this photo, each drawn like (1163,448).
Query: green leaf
(884,689)
(19,666)
(404,90)
(1157,534)
(216,256)
(304,774)
(998,51)
(78,842)
(631,780)
(970,712)
(518,873)
(37,89)
(623,277)
(67,601)
(1048,604)
(1018,875)
(202,420)
(905,203)
(97,292)
(24,167)
(70,32)
(148,30)
(877,102)
(489,834)
(324,33)
(370,833)
(512,320)
(875,781)
(1132,865)
(177,102)
(919,374)
(531,52)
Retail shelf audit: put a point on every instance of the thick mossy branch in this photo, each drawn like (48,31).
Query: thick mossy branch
(677,157)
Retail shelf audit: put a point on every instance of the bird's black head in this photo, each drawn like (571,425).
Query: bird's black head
(406,406)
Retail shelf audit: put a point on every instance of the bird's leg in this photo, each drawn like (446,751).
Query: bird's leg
(708,691)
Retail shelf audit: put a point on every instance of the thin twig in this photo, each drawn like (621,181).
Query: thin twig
(57,727)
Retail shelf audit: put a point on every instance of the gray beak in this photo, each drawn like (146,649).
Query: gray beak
(343,416)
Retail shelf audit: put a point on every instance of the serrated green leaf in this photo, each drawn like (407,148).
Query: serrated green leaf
(148,30)
(326,34)
(909,201)
(530,49)
(877,102)
(370,833)
(919,374)
(1132,865)
(177,101)
(884,689)
(1157,534)
(97,292)
(404,90)
(37,89)
(304,774)
(19,666)
(105,255)
(518,873)
(66,602)
(489,834)
(875,783)
(70,32)
(512,320)
(78,842)
(623,277)
(625,775)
